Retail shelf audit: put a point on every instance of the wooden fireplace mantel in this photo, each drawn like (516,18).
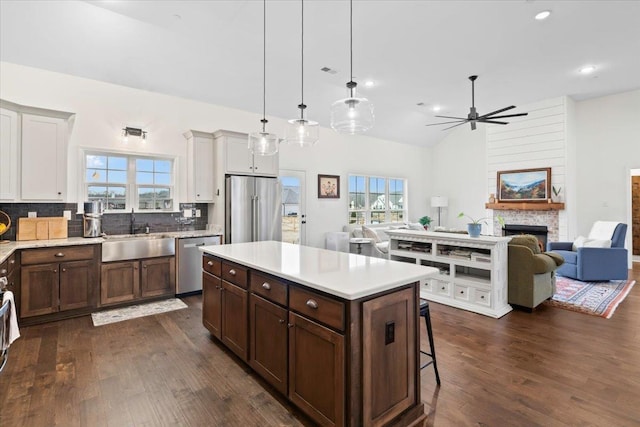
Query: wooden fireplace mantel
(525,206)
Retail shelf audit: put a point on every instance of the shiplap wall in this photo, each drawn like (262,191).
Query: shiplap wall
(538,140)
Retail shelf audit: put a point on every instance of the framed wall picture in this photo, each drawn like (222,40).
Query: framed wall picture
(328,186)
(524,185)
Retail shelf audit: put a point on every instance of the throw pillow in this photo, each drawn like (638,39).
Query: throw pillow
(415,226)
(583,242)
(370,233)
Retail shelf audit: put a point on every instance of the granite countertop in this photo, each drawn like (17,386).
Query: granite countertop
(6,249)
(348,276)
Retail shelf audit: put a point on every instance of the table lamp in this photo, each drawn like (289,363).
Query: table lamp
(439,202)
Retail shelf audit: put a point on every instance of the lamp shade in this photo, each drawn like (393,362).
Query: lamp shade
(263,143)
(352,115)
(302,132)
(439,202)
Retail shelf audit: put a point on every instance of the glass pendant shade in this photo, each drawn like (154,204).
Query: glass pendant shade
(352,115)
(263,143)
(302,132)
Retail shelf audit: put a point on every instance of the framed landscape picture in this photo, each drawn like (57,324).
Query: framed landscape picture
(524,185)
(328,186)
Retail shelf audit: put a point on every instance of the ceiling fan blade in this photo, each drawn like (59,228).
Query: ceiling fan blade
(497,111)
(492,121)
(449,117)
(444,123)
(508,115)
(461,123)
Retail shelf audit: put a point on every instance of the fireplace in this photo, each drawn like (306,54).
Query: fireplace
(540,231)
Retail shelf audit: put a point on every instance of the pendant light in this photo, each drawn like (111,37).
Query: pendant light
(351,115)
(263,143)
(302,132)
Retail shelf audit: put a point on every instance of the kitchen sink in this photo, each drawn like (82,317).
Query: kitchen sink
(136,246)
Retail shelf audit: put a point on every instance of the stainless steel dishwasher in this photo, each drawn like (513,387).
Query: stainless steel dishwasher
(190,263)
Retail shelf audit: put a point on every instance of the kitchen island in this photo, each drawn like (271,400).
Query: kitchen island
(338,334)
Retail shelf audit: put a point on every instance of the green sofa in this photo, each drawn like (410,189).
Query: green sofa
(532,276)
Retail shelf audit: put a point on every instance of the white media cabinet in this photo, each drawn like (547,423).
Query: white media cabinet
(472,270)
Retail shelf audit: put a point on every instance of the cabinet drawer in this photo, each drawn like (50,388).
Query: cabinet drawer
(57,254)
(9,265)
(442,288)
(212,265)
(461,292)
(482,297)
(268,287)
(234,273)
(317,307)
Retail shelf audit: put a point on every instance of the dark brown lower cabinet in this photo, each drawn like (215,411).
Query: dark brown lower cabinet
(341,362)
(268,341)
(316,370)
(235,319)
(157,277)
(49,288)
(126,281)
(212,304)
(120,282)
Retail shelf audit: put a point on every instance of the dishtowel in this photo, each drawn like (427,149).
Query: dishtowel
(14,332)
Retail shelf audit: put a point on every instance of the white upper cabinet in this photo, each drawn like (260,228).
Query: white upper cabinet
(234,149)
(200,168)
(44,157)
(8,154)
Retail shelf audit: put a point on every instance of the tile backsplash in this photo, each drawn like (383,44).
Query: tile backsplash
(112,223)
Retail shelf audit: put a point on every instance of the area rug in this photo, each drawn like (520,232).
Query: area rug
(134,311)
(595,298)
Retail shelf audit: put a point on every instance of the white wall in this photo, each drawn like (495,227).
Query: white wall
(103,109)
(608,147)
(458,172)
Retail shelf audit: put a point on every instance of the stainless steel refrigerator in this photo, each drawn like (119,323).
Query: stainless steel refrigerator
(252,209)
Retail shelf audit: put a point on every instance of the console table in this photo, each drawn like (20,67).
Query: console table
(472,271)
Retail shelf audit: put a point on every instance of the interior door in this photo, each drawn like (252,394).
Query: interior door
(293,206)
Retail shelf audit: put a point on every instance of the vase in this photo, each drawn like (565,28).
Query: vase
(474,229)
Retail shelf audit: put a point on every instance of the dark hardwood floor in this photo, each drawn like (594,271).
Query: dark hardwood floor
(552,367)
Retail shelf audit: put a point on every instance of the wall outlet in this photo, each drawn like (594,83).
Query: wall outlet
(32,214)
(67,215)
(198,213)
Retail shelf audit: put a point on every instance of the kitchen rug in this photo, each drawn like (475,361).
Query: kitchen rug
(134,311)
(595,298)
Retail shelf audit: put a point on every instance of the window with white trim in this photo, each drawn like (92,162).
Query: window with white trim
(375,199)
(124,182)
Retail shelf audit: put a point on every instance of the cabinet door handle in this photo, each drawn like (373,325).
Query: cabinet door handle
(481,296)
(266,286)
(281,321)
(144,266)
(232,272)
(209,263)
(289,325)
(55,271)
(64,269)
(312,304)
(59,255)
(13,261)
(3,271)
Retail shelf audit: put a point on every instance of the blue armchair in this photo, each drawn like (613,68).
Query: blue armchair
(595,263)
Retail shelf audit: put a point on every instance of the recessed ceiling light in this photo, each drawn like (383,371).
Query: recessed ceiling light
(436,108)
(587,69)
(543,15)
(369,83)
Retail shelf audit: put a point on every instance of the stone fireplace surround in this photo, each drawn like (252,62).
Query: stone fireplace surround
(550,218)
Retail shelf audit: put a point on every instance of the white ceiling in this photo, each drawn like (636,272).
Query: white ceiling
(416,51)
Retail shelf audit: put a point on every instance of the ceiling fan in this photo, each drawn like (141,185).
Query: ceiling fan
(473,116)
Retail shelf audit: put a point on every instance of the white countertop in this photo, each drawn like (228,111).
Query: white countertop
(448,236)
(6,249)
(344,275)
